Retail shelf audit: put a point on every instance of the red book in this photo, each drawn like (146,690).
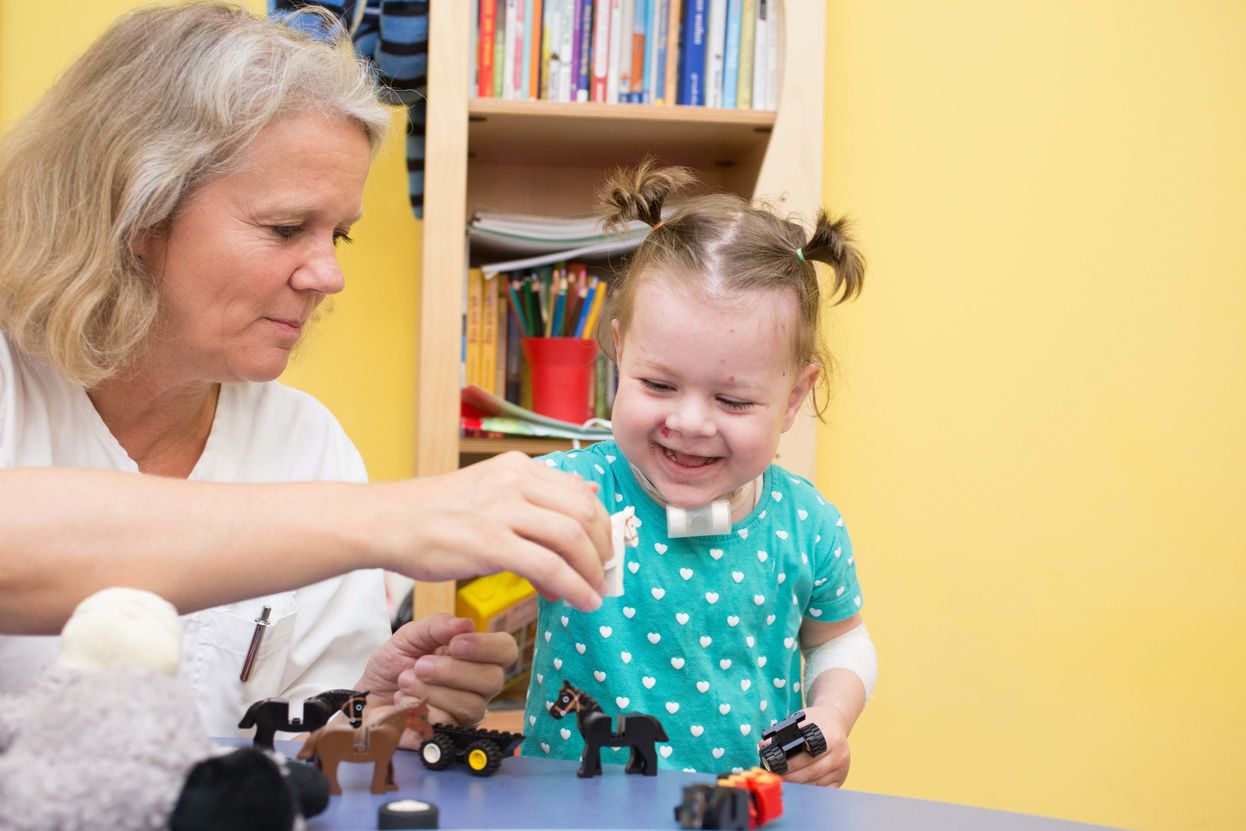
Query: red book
(484,64)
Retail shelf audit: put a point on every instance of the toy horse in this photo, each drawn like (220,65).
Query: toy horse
(272,714)
(374,742)
(636,730)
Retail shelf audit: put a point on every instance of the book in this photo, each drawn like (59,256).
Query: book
(566,63)
(491,406)
(670,93)
(627,25)
(656,91)
(715,39)
(601,50)
(498,385)
(731,54)
(488,24)
(488,334)
(615,45)
(748,28)
(692,55)
(475,289)
(533,46)
(584,55)
(523,62)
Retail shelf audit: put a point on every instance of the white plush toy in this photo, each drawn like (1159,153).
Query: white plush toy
(107,738)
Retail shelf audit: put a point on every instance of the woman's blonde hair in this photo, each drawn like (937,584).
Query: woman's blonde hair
(720,242)
(163,102)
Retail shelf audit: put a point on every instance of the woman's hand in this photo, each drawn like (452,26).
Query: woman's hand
(440,660)
(508,513)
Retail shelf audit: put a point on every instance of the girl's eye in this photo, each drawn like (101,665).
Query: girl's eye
(340,237)
(655,386)
(731,404)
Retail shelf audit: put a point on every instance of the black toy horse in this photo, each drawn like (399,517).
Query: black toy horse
(273,714)
(636,730)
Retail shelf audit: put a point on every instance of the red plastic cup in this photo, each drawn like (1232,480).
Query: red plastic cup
(561,370)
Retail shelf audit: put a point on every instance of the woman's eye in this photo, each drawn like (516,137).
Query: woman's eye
(285,231)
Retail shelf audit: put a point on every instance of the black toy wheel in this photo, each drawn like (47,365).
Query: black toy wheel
(437,753)
(407,813)
(815,742)
(483,757)
(774,759)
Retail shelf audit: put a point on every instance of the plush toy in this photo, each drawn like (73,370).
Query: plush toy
(107,738)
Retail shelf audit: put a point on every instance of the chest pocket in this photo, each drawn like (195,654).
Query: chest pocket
(215,644)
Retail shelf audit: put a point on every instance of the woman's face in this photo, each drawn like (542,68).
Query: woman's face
(249,256)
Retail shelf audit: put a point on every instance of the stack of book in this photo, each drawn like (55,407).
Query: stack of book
(712,53)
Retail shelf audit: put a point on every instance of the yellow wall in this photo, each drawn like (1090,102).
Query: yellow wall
(360,359)
(1037,434)
(1037,437)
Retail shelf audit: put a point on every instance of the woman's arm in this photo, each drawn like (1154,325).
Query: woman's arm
(68,533)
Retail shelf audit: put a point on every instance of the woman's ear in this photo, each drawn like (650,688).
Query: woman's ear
(805,380)
(149,244)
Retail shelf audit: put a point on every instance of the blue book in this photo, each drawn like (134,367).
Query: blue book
(641,34)
(658,86)
(583,77)
(731,53)
(692,55)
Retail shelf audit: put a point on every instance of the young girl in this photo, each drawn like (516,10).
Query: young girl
(716,332)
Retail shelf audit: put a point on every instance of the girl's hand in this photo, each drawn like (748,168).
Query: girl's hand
(828,768)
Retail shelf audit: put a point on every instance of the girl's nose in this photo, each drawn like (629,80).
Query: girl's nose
(691,419)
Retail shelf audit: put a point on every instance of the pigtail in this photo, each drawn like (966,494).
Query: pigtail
(628,194)
(831,243)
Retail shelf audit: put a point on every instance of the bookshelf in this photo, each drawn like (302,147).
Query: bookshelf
(542,157)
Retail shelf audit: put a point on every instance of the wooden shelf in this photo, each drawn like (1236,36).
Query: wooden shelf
(477,446)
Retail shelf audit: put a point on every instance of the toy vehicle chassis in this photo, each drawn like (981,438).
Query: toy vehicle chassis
(788,738)
(480,749)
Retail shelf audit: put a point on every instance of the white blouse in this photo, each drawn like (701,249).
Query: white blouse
(321,635)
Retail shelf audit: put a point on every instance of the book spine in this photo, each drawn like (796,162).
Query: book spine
(502,332)
(473,79)
(488,27)
(489,335)
(535,30)
(692,76)
(760,36)
(566,34)
(641,64)
(627,24)
(715,38)
(475,281)
(547,40)
(573,59)
(657,48)
(499,55)
(584,57)
(731,54)
(670,94)
(773,32)
(523,57)
(514,357)
(748,27)
(506,54)
(616,49)
(601,49)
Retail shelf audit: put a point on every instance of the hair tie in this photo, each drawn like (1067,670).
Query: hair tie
(800,252)
(656,226)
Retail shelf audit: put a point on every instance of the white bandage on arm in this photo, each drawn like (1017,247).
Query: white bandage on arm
(853,651)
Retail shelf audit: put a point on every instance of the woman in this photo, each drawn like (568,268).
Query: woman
(170,212)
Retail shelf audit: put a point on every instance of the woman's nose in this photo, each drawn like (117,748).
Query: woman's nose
(320,273)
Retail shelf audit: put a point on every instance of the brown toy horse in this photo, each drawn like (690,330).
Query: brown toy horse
(375,741)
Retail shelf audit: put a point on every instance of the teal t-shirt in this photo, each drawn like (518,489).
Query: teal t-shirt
(706,634)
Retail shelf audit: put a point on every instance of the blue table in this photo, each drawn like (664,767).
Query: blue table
(539,793)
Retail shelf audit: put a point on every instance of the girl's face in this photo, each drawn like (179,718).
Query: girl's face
(706,387)
(250,255)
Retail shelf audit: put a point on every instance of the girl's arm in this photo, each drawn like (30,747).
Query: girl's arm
(834,700)
(68,533)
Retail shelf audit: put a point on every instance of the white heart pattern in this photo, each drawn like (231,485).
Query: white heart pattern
(776,496)
(633,566)
(725,663)
(654,637)
(544,747)
(769,619)
(599,675)
(788,643)
(626,656)
(540,679)
(762,706)
(782,577)
(716,553)
(745,729)
(737,576)
(677,663)
(564,620)
(685,573)
(711,597)
(724,708)
(733,620)
(659,547)
(682,617)
(672,707)
(706,640)
(759,599)
(658,592)
(745,684)
(665,750)
(696,729)
(761,660)
(565,733)
(605,631)
(815,613)
(610,459)
(780,683)
(750,640)
(781,534)
(622,701)
(762,556)
(629,612)
(702,686)
(802,513)
(558,663)
(648,681)
(718,752)
(548,635)
(532,721)
(743,532)
(581,648)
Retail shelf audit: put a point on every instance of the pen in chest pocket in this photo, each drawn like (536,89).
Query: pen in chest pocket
(261,625)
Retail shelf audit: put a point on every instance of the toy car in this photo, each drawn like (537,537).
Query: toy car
(789,737)
(481,750)
(739,801)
